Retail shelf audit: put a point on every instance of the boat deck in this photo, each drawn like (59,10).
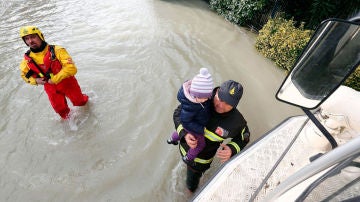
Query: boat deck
(276,156)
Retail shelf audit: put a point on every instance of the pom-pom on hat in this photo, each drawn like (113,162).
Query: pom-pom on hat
(230,92)
(202,84)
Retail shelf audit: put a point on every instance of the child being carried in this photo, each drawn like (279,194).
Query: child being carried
(194,96)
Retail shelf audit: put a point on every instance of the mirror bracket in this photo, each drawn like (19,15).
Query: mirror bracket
(321,127)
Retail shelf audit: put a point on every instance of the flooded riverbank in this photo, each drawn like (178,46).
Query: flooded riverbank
(132,56)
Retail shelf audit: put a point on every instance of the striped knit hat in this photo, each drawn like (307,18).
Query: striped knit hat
(202,84)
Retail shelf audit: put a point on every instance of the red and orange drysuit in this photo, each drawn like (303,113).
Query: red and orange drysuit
(56,64)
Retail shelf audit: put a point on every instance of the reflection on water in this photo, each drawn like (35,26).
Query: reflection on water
(131,56)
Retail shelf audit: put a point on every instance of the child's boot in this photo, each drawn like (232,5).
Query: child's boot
(173,139)
(188,161)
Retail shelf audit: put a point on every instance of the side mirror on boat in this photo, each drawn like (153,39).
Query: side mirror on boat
(331,55)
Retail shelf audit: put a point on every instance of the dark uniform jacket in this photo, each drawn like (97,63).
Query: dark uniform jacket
(219,127)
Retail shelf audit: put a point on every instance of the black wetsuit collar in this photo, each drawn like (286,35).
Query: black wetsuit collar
(42,47)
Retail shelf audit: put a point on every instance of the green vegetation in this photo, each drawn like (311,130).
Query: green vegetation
(282,39)
(313,12)
(239,12)
(354,80)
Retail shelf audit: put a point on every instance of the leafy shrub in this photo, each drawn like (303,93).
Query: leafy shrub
(280,41)
(312,12)
(237,11)
(354,80)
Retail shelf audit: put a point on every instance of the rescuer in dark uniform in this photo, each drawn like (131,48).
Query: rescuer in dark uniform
(225,122)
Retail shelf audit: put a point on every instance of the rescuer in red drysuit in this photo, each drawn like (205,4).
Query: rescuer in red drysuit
(51,66)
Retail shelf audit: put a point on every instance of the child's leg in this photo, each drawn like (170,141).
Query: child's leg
(174,139)
(192,153)
(175,136)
